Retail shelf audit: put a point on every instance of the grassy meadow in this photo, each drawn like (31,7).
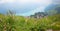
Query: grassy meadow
(12,22)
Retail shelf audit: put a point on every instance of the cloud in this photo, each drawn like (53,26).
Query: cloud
(24,7)
(26,1)
(56,1)
(34,1)
(6,1)
(38,9)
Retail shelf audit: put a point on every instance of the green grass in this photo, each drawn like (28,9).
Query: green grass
(20,23)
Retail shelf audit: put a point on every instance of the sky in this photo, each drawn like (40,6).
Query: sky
(24,7)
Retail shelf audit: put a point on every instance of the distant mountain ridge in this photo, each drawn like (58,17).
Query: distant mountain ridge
(53,7)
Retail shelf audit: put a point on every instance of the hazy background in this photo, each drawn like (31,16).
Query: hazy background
(26,7)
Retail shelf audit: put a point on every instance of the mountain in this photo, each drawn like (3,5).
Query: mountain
(52,9)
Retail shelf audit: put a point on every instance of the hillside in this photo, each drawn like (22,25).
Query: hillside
(52,9)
